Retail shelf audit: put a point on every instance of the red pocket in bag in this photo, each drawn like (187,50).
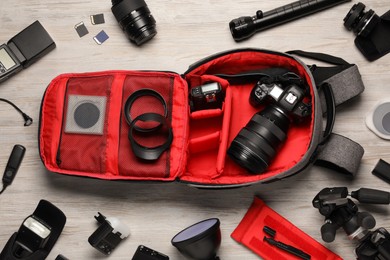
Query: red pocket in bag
(82,144)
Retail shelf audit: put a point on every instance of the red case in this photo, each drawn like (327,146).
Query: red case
(198,151)
(250,233)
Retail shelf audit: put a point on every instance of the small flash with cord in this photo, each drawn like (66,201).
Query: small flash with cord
(109,234)
(24,49)
(206,96)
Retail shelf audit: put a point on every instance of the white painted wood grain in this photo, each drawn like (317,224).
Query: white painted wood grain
(187,31)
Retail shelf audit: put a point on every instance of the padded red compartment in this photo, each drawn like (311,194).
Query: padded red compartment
(201,138)
(84,152)
(213,166)
(112,148)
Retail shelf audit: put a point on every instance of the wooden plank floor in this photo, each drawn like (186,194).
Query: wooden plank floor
(187,31)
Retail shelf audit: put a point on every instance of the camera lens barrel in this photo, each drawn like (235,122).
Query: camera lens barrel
(257,143)
(359,21)
(135,19)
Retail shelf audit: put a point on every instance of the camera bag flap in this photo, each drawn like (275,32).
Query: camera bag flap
(88,122)
(250,232)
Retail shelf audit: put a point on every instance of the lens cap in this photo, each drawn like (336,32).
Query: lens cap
(378,120)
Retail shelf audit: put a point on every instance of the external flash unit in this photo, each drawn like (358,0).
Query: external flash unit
(109,234)
(37,235)
(24,49)
(33,235)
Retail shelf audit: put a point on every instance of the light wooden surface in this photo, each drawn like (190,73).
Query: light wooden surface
(187,31)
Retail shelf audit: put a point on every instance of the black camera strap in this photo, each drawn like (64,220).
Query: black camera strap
(344,80)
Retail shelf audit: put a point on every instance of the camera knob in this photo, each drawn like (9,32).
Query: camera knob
(366,220)
(328,231)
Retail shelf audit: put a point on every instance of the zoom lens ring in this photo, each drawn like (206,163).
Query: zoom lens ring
(258,142)
(123,8)
(246,158)
(264,132)
(135,19)
(260,122)
(353,16)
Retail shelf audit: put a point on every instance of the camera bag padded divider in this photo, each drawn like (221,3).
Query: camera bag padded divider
(197,155)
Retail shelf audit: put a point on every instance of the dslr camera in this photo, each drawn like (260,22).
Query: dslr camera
(258,142)
(373,31)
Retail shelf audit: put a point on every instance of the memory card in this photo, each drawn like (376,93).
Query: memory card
(101,37)
(81,29)
(97,19)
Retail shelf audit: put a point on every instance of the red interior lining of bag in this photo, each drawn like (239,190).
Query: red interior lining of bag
(129,164)
(50,126)
(250,233)
(52,116)
(206,163)
(220,169)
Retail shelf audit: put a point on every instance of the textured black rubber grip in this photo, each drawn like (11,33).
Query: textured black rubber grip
(371,196)
(13,164)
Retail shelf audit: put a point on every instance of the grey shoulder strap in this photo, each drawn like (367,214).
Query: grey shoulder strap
(341,154)
(343,77)
(345,85)
(338,153)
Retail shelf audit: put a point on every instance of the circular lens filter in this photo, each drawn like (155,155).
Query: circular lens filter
(378,120)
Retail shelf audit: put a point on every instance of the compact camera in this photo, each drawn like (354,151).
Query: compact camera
(257,143)
(207,96)
(373,31)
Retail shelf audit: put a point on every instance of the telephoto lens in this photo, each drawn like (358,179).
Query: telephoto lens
(135,19)
(257,143)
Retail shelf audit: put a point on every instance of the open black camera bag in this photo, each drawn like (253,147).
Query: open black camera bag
(198,153)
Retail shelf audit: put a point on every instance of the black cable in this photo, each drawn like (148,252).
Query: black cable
(27,120)
(3,189)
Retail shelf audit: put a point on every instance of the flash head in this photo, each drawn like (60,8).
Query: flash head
(37,235)
(33,235)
